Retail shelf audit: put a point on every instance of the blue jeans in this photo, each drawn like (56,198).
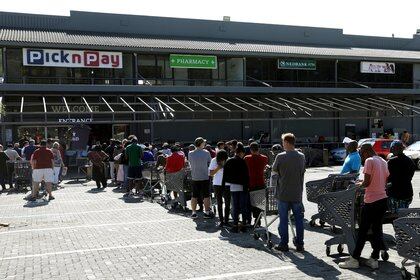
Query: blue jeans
(240,205)
(297,209)
(125,168)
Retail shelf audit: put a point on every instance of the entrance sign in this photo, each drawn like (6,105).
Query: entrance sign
(377,67)
(75,120)
(297,64)
(193,61)
(71,58)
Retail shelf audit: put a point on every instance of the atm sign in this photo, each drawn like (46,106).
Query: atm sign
(71,58)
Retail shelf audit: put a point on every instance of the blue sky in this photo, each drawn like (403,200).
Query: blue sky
(363,17)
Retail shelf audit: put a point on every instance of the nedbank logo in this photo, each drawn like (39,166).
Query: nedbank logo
(71,58)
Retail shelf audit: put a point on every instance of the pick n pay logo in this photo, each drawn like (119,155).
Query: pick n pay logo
(71,58)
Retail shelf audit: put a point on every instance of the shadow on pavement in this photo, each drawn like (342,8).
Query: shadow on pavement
(37,203)
(96,190)
(313,266)
(386,270)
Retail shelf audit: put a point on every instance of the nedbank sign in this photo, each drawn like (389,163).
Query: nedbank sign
(72,58)
(193,61)
(297,64)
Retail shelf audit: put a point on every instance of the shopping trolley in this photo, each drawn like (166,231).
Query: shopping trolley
(407,235)
(22,175)
(334,182)
(266,201)
(176,182)
(152,179)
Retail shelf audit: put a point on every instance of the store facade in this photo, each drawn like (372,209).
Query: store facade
(231,81)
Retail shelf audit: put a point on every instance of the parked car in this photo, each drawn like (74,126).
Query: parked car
(413,152)
(381,147)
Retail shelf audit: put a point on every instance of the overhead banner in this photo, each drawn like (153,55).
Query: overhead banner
(72,58)
(193,61)
(297,64)
(377,67)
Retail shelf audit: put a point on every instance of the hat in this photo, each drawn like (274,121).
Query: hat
(198,141)
(347,140)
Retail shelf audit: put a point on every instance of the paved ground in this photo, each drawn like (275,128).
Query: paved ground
(85,234)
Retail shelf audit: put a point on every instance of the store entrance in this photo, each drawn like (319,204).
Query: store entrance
(100,133)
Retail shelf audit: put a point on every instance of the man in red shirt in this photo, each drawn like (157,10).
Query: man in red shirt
(42,162)
(257,164)
(176,161)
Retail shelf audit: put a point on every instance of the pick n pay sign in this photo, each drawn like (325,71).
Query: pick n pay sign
(72,58)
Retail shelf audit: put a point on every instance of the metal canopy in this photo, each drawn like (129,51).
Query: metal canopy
(149,108)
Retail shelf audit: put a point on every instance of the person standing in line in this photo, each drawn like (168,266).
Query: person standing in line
(97,156)
(13,157)
(401,171)
(199,160)
(58,162)
(221,192)
(18,149)
(257,164)
(30,149)
(110,152)
(353,162)
(290,168)
(235,174)
(42,162)
(3,169)
(375,204)
(134,154)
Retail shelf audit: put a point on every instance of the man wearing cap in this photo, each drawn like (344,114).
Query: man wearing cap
(199,161)
(401,171)
(353,161)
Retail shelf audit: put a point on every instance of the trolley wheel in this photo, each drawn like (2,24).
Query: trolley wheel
(269,244)
(417,271)
(321,223)
(340,248)
(312,223)
(328,251)
(256,236)
(405,274)
(384,255)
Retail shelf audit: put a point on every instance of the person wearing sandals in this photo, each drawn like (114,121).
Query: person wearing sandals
(97,157)
(58,162)
(221,192)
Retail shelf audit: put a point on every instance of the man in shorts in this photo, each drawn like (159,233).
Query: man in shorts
(200,160)
(134,153)
(42,162)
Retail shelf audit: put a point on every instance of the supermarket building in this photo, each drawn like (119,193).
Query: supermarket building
(173,79)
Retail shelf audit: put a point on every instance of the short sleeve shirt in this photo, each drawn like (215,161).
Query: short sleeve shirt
(256,166)
(352,163)
(134,153)
(199,160)
(377,168)
(43,157)
(218,177)
(175,163)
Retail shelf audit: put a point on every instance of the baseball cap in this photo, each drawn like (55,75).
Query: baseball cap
(347,140)
(198,141)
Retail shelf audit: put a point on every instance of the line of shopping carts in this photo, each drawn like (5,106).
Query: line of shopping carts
(22,175)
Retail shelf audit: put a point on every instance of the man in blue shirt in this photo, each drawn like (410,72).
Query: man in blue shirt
(353,161)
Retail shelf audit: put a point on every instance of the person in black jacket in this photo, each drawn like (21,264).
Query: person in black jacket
(401,171)
(235,174)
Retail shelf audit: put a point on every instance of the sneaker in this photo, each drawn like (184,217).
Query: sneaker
(51,197)
(194,216)
(300,248)
(349,263)
(372,263)
(210,215)
(282,248)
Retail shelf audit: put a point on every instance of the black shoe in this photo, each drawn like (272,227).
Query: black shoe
(210,215)
(51,197)
(194,216)
(32,199)
(200,209)
(300,248)
(221,225)
(243,228)
(282,248)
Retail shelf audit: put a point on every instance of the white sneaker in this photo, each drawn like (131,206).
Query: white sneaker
(372,263)
(350,263)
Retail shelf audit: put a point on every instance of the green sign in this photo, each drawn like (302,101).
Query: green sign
(193,61)
(297,64)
